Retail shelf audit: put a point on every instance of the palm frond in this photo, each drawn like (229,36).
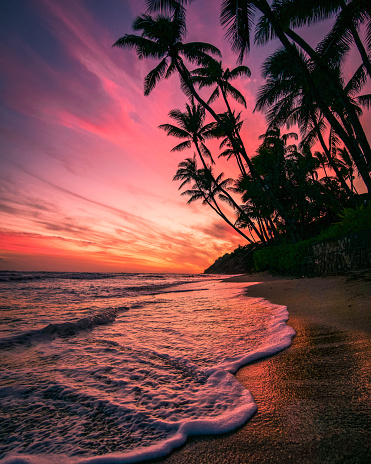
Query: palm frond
(298,13)
(145,48)
(179,117)
(194,195)
(368,36)
(227,153)
(344,155)
(170,70)
(175,131)
(182,146)
(264,32)
(206,152)
(239,71)
(197,52)
(236,94)
(214,96)
(154,76)
(365,101)
(357,81)
(237,18)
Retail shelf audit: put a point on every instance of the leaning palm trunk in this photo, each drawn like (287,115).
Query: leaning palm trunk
(330,158)
(214,205)
(238,147)
(359,155)
(230,198)
(237,136)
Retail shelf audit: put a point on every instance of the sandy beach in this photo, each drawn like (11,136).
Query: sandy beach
(314,397)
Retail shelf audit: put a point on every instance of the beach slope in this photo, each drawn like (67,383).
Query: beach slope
(313,398)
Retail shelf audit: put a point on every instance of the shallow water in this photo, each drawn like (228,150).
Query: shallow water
(120,368)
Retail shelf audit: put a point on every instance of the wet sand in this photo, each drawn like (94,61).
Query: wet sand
(314,398)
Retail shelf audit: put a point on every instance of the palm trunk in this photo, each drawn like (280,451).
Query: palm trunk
(351,144)
(359,44)
(236,206)
(239,148)
(338,93)
(330,159)
(220,213)
(237,134)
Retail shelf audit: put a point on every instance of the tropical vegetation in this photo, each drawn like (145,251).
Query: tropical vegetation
(297,183)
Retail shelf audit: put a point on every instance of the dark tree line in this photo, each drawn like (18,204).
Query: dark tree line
(279,194)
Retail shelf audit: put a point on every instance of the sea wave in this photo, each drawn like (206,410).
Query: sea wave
(134,389)
(20,276)
(63,329)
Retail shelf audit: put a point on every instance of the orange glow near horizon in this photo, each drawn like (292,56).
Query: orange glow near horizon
(86,175)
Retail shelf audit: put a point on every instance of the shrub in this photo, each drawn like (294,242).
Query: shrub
(291,258)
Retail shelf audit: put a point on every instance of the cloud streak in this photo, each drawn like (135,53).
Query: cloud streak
(86,176)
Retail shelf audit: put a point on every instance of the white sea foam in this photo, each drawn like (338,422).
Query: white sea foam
(114,385)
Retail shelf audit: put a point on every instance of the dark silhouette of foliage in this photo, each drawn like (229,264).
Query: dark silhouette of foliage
(288,190)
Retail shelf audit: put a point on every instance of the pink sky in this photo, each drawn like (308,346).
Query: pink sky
(86,175)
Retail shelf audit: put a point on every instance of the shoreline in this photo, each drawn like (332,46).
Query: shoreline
(314,397)
(342,302)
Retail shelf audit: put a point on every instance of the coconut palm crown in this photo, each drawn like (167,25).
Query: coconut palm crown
(162,39)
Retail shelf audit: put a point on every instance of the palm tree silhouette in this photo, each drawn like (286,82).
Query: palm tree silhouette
(289,100)
(206,188)
(238,18)
(162,38)
(292,176)
(213,74)
(344,32)
(191,127)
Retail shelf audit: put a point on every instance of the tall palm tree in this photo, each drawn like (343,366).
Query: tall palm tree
(291,101)
(162,38)
(206,188)
(190,126)
(213,74)
(349,16)
(238,15)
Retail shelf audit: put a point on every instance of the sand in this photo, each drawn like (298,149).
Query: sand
(314,397)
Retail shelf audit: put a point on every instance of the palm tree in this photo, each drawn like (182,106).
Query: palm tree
(191,127)
(213,74)
(206,188)
(291,101)
(238,16)
(349,17)
(162,38)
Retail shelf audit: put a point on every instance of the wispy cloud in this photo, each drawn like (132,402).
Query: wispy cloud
(86,175)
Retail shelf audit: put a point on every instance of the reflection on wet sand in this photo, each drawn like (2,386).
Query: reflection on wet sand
(313,399)
(313,405)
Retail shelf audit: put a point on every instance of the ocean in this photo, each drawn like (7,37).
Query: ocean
(120,368)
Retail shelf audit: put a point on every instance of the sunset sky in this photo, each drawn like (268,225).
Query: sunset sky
(85,174)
